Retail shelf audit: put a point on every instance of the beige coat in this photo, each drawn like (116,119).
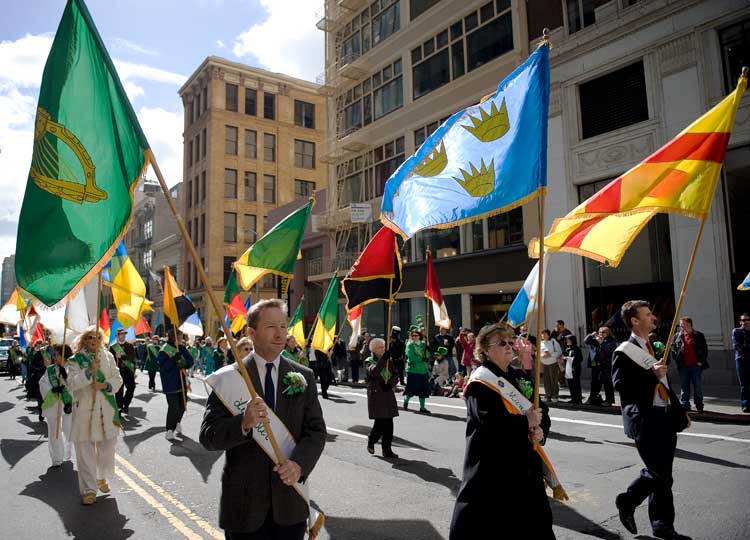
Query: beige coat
(92,414)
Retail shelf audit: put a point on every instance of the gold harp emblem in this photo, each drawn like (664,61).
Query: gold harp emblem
(50,171)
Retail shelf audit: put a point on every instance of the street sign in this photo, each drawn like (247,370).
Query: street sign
(361,212)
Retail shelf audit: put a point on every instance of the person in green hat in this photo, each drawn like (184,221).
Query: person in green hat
(417,370)
(152,365)
(440,371)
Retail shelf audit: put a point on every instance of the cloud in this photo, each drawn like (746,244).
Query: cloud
(163,129)
(220,44)
(287,41)
(21,67)
(127,45)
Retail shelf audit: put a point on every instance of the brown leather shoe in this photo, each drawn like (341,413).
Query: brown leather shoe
(103,486)
(88,499)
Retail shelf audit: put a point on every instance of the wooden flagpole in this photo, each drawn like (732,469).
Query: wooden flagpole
(677,310)
(539,291)
(214,302)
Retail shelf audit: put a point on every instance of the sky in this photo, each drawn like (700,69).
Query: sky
(155,45)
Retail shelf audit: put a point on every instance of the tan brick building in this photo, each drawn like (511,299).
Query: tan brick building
(252,140)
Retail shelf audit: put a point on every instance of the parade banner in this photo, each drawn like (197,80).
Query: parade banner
(680,178)
(484,160)
(230,388)
(89,153)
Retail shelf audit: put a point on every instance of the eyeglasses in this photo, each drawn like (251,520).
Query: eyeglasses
(744,320)
(90,337)
(501,343)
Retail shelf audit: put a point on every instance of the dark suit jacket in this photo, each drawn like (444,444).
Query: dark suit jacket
(636,387)
(249,486)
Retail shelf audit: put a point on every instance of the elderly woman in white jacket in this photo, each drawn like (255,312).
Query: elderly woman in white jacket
(93,379)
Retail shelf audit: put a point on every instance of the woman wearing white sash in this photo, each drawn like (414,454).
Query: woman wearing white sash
(503,486)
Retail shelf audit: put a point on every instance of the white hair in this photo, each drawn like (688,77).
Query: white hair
(376,341)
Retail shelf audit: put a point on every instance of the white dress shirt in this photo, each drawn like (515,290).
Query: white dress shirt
(658,400)
(260,362)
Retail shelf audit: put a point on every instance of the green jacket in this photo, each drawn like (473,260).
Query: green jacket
(416,357)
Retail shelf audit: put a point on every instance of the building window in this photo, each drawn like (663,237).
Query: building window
(189,275)
(195,192)
(230,183)
(442,242)
(489,41)
(384,88)
(203,229)
(269,189)
(191,114)
(228,262)
(230,227)
(203,185)
(580,14)
(230,140)
(251,187)
(190,229)
(194,238)
(190,192)
(303,188)
(735,51)
(613,101)
(197,106)
(304,114)
(269,106)
(190,154)
(362,178)
(251,101)
(205,98)
(304,154)
(505,229)
(385,22)
(249,228)
(198,147)
(231,97)
(148,229)
(431,73)
(417,7)
(251,144)
(388,97)
(386,159)
(204,141)
(269,147)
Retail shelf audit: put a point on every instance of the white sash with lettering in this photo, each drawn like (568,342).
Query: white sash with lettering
(641,357)
(517,400)
(231,389)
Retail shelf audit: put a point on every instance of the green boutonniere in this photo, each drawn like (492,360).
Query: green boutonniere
(527,389)
(295,383)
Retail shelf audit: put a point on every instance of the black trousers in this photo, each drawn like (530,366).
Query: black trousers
(656,445)
(574,385)
(381,427)
(355,371)
(125,394)
(400,366)
(175,409)
(270,531)
(602,377)
(152,380)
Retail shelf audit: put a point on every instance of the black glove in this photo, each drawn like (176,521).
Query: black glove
(63,373)
(58,389)
(387,355)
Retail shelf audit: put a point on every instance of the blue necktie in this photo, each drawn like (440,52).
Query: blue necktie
(270,391)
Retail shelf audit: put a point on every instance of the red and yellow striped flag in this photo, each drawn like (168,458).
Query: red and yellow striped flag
(679,178)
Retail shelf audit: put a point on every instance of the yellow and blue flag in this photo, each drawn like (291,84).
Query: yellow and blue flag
(484,160)
(745,285)
(128,288)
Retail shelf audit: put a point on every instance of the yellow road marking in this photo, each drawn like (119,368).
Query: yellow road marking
(171,518)
(202,523)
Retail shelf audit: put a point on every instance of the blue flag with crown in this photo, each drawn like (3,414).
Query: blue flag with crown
(486,159)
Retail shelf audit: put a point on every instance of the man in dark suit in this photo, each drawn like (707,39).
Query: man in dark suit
(258,501)
(124,354)
(651,415)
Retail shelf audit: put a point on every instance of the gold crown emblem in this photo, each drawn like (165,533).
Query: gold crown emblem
(480,182)
(52,173)
(434,163)
(492,126)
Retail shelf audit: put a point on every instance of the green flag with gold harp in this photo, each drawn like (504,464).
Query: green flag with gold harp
(89,152)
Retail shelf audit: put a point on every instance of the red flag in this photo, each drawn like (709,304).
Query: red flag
(142,327)
(432,292)
(38,333)
(355,321)
(376,274)
(104,322)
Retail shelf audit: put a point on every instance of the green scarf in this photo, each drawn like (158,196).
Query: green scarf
(124,357)
(84,360)
(172,352)
(385,372)
(151,362)
(51,398)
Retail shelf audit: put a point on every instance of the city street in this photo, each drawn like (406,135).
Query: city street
(164,490)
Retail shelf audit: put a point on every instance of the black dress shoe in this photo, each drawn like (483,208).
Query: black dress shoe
(627,517)
(670,534)
(388,454)
(371,448)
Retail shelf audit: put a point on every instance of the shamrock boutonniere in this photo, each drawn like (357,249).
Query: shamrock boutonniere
(295,383)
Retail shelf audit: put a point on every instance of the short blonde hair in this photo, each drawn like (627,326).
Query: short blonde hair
(245,341)
(258,308)
(483,339)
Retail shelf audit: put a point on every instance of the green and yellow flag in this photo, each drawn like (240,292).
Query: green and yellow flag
(89,152)
(275,253)
(296,327)
(325,325)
